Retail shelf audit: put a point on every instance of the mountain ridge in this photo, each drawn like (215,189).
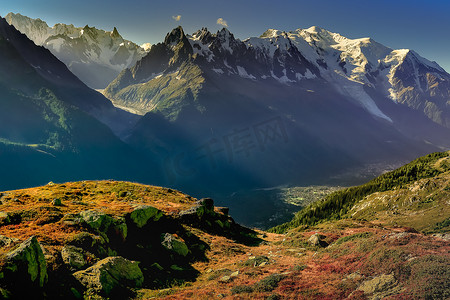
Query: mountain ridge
(50,120)
(350,65)
(94,55)
(204,85)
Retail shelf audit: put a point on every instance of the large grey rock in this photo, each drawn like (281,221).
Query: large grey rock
(73,257)
(27,263)
(317,240)
(93,243)
(111,276)
(120,228)
(174,245)
(378,284)
(207,203)
(142,214)
(96,220)
(203,208)
(192,214)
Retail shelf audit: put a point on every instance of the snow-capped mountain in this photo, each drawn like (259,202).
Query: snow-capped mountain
(333,96)
(362,70)
(353,65)
(94,55)
(49,120)
(189,59)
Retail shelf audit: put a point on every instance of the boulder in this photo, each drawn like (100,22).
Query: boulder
(174,245)
(96,220)
(207,203)
(112,276)
(142,214)
(26,264)
(89,242)
(203,208)
(317,240)
(73,257)
(193,214)
(378,284)
(120,229)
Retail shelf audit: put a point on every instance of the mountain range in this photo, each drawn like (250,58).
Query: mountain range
(238,120)
(96,56)
(52,126)
(307,103)
(285,108)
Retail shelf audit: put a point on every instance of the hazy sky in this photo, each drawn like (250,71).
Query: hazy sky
(422,25)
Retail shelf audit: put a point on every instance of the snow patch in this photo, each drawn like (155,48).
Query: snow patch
(151,77)
(146,46)
(204,49)
(356,91)
(243,73)
(283,79)
(308,75)
(218,71)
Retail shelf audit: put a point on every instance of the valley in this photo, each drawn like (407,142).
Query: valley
(300,164)
(82,240)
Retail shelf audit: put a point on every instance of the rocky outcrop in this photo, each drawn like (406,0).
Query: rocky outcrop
(204,217)
(112,277)
(25,264)
(109,250)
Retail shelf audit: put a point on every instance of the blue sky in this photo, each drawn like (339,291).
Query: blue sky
(422,25)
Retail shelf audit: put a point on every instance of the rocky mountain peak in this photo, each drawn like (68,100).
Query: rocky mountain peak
(270,33)
(175,36)
(94,55)
(224,35)
(202,35)
(115,33)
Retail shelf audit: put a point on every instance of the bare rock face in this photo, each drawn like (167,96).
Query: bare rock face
(112,276)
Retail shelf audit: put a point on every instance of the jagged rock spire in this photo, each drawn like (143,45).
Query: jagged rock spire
(115,33)
(175,36)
